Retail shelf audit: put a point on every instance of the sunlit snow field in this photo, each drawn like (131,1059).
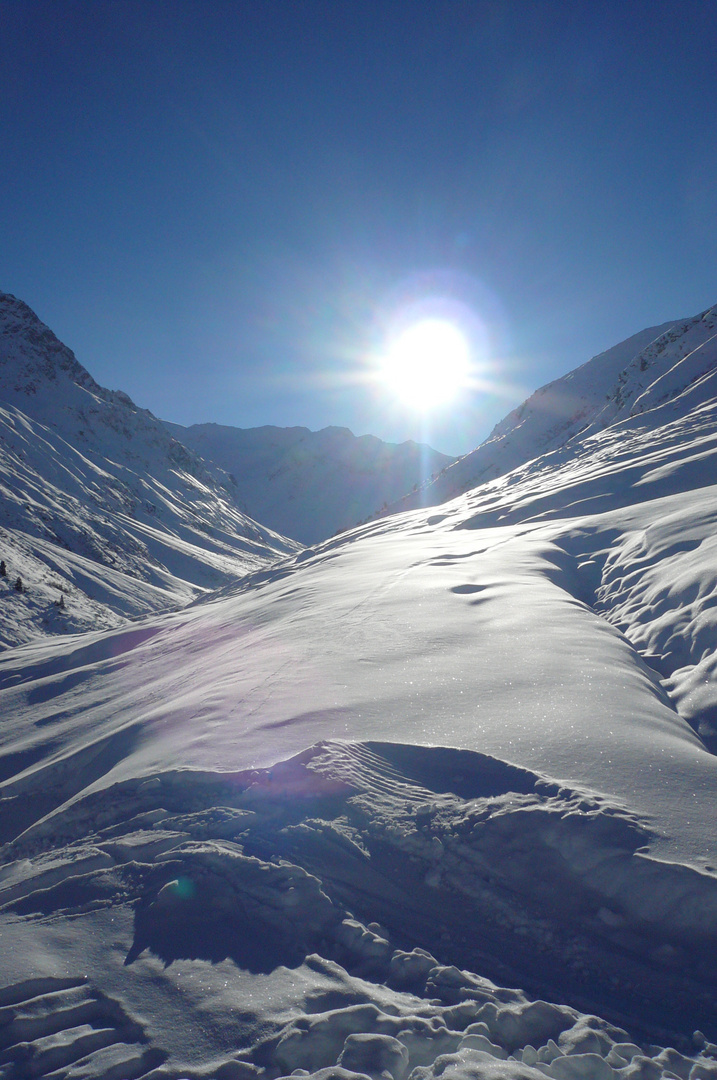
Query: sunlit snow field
(433,798)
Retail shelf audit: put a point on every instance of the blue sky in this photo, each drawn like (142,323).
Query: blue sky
(222,206)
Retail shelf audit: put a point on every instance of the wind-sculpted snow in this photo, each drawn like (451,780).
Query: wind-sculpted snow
(660,587)
(434,799)
(104,515)
(511,793)
(261,922)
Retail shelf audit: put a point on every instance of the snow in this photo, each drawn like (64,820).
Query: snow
(100,505)
(655,366)
(434,798)
(312,484)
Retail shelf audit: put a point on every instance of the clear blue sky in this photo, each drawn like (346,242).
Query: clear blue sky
(220,205)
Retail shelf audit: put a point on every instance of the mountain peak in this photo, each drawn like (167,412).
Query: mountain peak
(310,485)
(32,352)
(99,504)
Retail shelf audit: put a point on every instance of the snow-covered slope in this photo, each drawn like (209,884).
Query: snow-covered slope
(634,376)
(325,821)
(99,506)
(312,484)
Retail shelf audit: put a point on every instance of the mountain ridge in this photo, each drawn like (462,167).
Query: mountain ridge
(104,514)
(289,477)
(586,400)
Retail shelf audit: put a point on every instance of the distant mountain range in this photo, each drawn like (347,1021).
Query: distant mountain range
(312,484)
(106,515)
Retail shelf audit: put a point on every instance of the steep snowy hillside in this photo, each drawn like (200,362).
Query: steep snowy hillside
(435,799)
(634,376)
(312,484)
(101,510)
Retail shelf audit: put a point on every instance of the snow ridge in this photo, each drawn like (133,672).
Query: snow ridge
(633,377)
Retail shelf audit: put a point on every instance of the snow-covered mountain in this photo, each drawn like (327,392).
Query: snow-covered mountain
(434,799)
(637,375)
(312,484)
(100,508)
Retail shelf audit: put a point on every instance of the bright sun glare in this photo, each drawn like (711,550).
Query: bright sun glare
(427,364)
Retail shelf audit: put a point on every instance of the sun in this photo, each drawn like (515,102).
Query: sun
(427,364)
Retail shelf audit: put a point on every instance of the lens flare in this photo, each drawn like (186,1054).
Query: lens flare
(427,364)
